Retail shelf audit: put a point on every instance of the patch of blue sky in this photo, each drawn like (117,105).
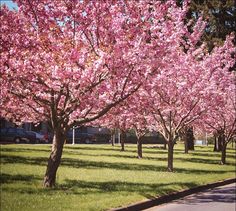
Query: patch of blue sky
(10,4)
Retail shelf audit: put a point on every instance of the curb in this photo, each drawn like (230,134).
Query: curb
(172,196)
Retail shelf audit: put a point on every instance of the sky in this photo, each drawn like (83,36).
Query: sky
(9,3)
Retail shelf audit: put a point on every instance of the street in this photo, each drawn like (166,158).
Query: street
(217,199)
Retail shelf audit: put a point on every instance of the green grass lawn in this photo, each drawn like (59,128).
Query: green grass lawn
(99,177)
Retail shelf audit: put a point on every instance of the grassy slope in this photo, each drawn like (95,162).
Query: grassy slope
(98,177)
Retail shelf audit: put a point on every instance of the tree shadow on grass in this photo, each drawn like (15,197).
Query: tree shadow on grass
(12,159)
(205,160)
(81,187)
(116,149)
(93,148)
(120,155)
(9,178)
(134,167)
(24,150)
(88,164)
(144,189)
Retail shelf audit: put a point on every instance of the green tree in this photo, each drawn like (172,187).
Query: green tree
(220,16)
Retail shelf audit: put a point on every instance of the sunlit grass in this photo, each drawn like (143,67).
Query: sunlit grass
(98,177)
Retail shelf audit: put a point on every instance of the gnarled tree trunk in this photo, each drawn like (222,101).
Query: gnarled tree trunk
(170,155)
(54,159)
(185,145)
(188,137)
(165,145)
(216,146)
(221,140)
(139,148)
(223,154)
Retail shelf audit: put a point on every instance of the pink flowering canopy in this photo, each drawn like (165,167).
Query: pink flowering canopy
(222,116)
(71,61)
(189,86)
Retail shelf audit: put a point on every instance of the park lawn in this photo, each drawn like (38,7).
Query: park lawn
(99,177)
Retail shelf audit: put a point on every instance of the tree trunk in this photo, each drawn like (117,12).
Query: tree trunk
(112,138)
(190,139)
(223,154)
(139,146)
(54,159)
(170,156)
(186,147)
(215,143)
(220,142)
(122,141)
(165,146)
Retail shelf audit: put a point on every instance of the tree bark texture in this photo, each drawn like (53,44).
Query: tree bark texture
(139,148)
(185,145)
(223,155)
(54,160)
(215,143)
(188,137)
(170,156)
(165,146)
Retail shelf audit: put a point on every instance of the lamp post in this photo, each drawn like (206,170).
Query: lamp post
(73,136)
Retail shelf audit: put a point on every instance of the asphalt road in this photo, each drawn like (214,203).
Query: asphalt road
(217,199)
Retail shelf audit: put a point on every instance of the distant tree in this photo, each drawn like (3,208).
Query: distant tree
(220,17)
(187,136)
(222,117)
(178,97)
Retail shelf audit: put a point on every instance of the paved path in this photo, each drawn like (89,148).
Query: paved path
(217,199)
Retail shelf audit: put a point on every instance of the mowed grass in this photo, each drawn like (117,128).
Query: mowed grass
(99,177)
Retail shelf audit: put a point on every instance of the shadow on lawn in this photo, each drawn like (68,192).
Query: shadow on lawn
(147,190)
(90,187)
(86,164)
(9,178)
(146,150)
(120,155)
(12,159)
(16,149)
(205,160)
(75,163)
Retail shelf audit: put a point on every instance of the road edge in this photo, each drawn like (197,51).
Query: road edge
(172,196)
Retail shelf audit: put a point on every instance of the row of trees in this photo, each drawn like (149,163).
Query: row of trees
(128,64)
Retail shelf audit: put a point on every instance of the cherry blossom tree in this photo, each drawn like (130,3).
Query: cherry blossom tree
(67,62)
(181,92)
(70,62)
(222,117)
(122,118)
